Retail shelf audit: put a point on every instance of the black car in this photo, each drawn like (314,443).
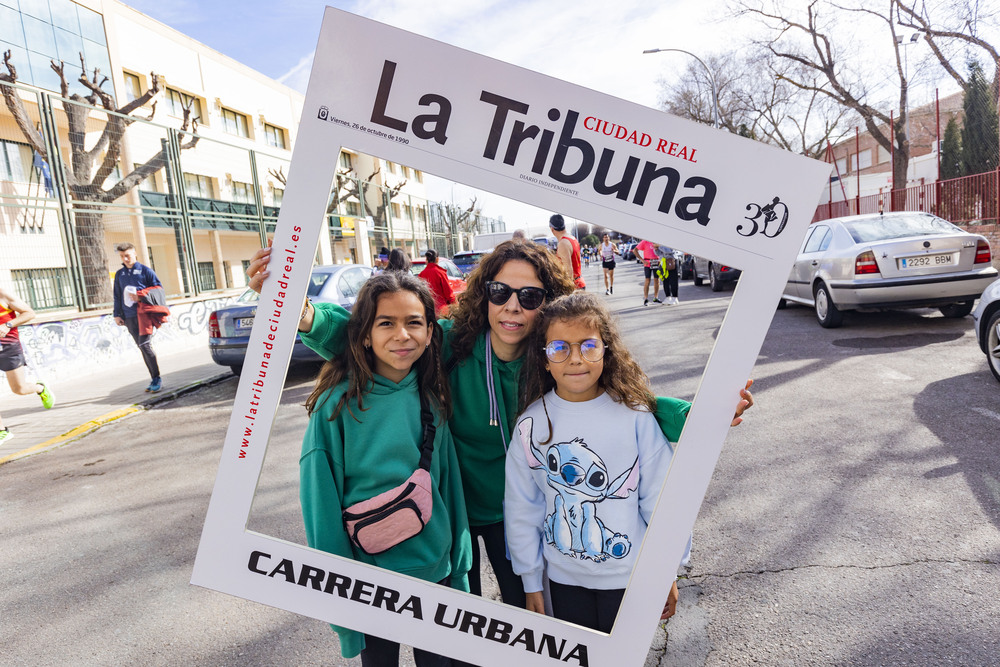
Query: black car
(717,275)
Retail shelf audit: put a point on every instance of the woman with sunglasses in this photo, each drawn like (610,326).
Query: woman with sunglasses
(483,353)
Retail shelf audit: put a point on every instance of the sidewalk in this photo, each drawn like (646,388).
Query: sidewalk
(107,394)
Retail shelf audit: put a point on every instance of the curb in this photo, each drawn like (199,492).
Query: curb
(115,415)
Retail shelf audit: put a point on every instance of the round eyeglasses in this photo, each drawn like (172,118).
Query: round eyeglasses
(559,351)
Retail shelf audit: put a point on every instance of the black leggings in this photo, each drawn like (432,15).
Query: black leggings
(380,652)
(588,607)
(511,588)
(670,283)
(144,341)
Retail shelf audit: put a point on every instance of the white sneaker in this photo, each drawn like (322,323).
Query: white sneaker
(676,301)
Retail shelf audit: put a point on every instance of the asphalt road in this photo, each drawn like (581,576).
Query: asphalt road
(854,519)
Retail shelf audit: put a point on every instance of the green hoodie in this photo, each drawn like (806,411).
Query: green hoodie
(336,471)
(480,446)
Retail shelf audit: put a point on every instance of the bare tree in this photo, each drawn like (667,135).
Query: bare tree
(756,101)
(465,221)
(345,186)
(830,64)
(90,168)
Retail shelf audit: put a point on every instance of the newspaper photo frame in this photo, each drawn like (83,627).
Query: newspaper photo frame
(465,117)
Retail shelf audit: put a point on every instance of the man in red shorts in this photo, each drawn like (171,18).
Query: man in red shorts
(14,312)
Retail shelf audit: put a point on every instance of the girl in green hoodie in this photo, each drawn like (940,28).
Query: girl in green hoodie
(364,438)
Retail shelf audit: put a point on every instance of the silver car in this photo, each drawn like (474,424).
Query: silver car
(895,260)
(987,326)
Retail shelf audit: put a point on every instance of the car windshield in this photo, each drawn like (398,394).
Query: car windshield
(415,269)
(882,228)
(467,260)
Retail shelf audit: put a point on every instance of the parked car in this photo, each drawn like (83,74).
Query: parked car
(468,260)
(229,327)
(718,275)
(987,325)
(896,260)
(686,264)
(455,276)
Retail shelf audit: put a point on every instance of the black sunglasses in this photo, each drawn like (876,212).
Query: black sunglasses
(529,297)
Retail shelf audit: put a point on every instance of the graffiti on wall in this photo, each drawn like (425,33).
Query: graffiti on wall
(74,347)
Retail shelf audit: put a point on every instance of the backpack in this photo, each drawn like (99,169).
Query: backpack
(670,263)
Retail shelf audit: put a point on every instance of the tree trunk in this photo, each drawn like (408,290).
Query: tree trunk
(89,229)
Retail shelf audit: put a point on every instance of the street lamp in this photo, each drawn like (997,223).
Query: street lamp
(711,78)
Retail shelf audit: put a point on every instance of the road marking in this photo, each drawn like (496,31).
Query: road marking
(77,432)
(983,411)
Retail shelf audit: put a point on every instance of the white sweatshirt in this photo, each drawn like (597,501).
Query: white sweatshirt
(582,501)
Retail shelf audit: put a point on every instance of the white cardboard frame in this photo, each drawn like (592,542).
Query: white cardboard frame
(343,108)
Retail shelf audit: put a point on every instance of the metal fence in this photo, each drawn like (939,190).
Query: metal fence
(966,201)
(195,218)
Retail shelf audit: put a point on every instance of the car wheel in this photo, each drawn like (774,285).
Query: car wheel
(829,316)
(782,304)
(992,339)
(236,369)
(698,280)
(956,310)
(714,281)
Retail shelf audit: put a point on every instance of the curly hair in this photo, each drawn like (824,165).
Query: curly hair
(357,362)
(622,377)
(471,315)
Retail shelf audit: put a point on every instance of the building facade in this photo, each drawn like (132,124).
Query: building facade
(199,217)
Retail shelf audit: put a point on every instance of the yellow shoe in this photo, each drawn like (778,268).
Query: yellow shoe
(48,398)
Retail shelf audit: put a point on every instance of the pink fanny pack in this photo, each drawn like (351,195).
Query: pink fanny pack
(380,523)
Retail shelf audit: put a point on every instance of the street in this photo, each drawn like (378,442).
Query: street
(853,519)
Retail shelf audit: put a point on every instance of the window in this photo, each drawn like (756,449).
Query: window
(351,281)
(406,172)
(15,158)
(419,174)
(397,211)
(421,214)
(818,240)
(390,167)
(883,155)
(235,123)
(277,194)
(841,167)
(345,161)
(242,193)
(43,288)
(865,158)
(196,185)
(353,208)
(206,275)
(274,135)
(133,87)
(177,102)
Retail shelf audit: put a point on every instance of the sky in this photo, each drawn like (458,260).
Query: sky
(593,43)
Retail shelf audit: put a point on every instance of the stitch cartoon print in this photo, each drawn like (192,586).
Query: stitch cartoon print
(581,481)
